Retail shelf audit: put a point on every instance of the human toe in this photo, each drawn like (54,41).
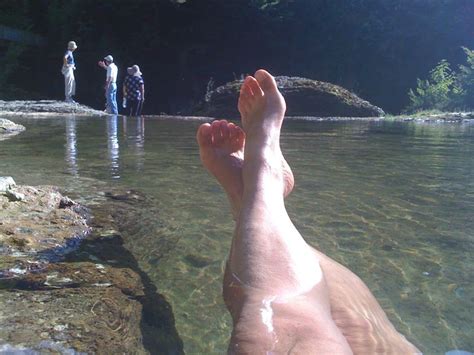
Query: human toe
(254,86)
(265,80)
(224,127)
(204,134)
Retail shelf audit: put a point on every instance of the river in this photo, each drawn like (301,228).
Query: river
(393,201)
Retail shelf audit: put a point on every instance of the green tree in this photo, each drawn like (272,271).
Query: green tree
(466,78)
(445,89)
(441,91)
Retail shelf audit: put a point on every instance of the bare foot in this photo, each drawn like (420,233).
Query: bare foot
(259,97)
(221,147)
(262,108)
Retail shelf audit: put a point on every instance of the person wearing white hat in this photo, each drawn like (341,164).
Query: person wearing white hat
(68,71)
(134,90)
(110,84)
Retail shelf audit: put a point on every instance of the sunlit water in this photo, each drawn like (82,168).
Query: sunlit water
(392,201)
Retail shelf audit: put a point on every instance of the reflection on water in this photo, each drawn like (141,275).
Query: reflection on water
(113,146)
(392,201)
(137,141)
(71,145)
(134,138)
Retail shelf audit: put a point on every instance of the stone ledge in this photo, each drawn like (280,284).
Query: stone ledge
(42,107)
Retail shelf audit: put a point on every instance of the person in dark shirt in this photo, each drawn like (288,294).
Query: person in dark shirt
(134,91)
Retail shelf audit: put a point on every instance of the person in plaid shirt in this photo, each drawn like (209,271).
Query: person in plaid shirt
(134,91)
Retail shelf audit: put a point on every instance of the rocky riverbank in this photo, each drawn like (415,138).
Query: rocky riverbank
(222,102)
(37,225)
(446,117)
(9,129)
(45,107)
(436,117)
(68,284)
(41,108)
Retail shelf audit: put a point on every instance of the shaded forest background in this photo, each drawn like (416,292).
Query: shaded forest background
(374,48)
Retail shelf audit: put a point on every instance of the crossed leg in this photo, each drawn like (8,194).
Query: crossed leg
(283,295)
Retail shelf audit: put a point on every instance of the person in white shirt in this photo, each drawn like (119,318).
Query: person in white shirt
(68,71)
(110,84)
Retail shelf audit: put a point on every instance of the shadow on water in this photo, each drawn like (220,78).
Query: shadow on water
(157,324)
(106,246)
(104,249)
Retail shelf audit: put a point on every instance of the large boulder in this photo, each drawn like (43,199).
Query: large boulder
(304,97)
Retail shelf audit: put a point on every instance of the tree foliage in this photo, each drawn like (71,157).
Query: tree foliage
(445,89)
(437,91)
(374,48)
(466,78)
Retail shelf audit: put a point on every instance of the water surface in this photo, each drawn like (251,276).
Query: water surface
(392,201)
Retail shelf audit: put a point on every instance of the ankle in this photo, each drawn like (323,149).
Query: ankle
(261,147)
(262,175)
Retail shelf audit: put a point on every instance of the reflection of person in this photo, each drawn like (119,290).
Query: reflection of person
(284,296)
(110,84)
(113,147)
(134,91)
(68,71)
(71,145)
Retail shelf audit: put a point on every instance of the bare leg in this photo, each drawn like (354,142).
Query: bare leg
(283,295)
(284,303)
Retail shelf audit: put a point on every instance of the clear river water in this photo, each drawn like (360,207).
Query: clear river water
(393,201)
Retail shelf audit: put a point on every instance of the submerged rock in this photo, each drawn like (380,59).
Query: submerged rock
(71,320)
(304,97)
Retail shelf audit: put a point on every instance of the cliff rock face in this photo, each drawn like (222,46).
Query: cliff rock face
(304,97)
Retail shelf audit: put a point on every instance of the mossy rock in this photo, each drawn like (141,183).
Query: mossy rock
(304,97)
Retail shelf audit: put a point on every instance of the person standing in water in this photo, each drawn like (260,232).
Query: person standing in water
(134,91)
(68,71)
(284,296)
(110,84)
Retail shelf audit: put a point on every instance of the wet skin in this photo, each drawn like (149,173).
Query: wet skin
(284,296)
